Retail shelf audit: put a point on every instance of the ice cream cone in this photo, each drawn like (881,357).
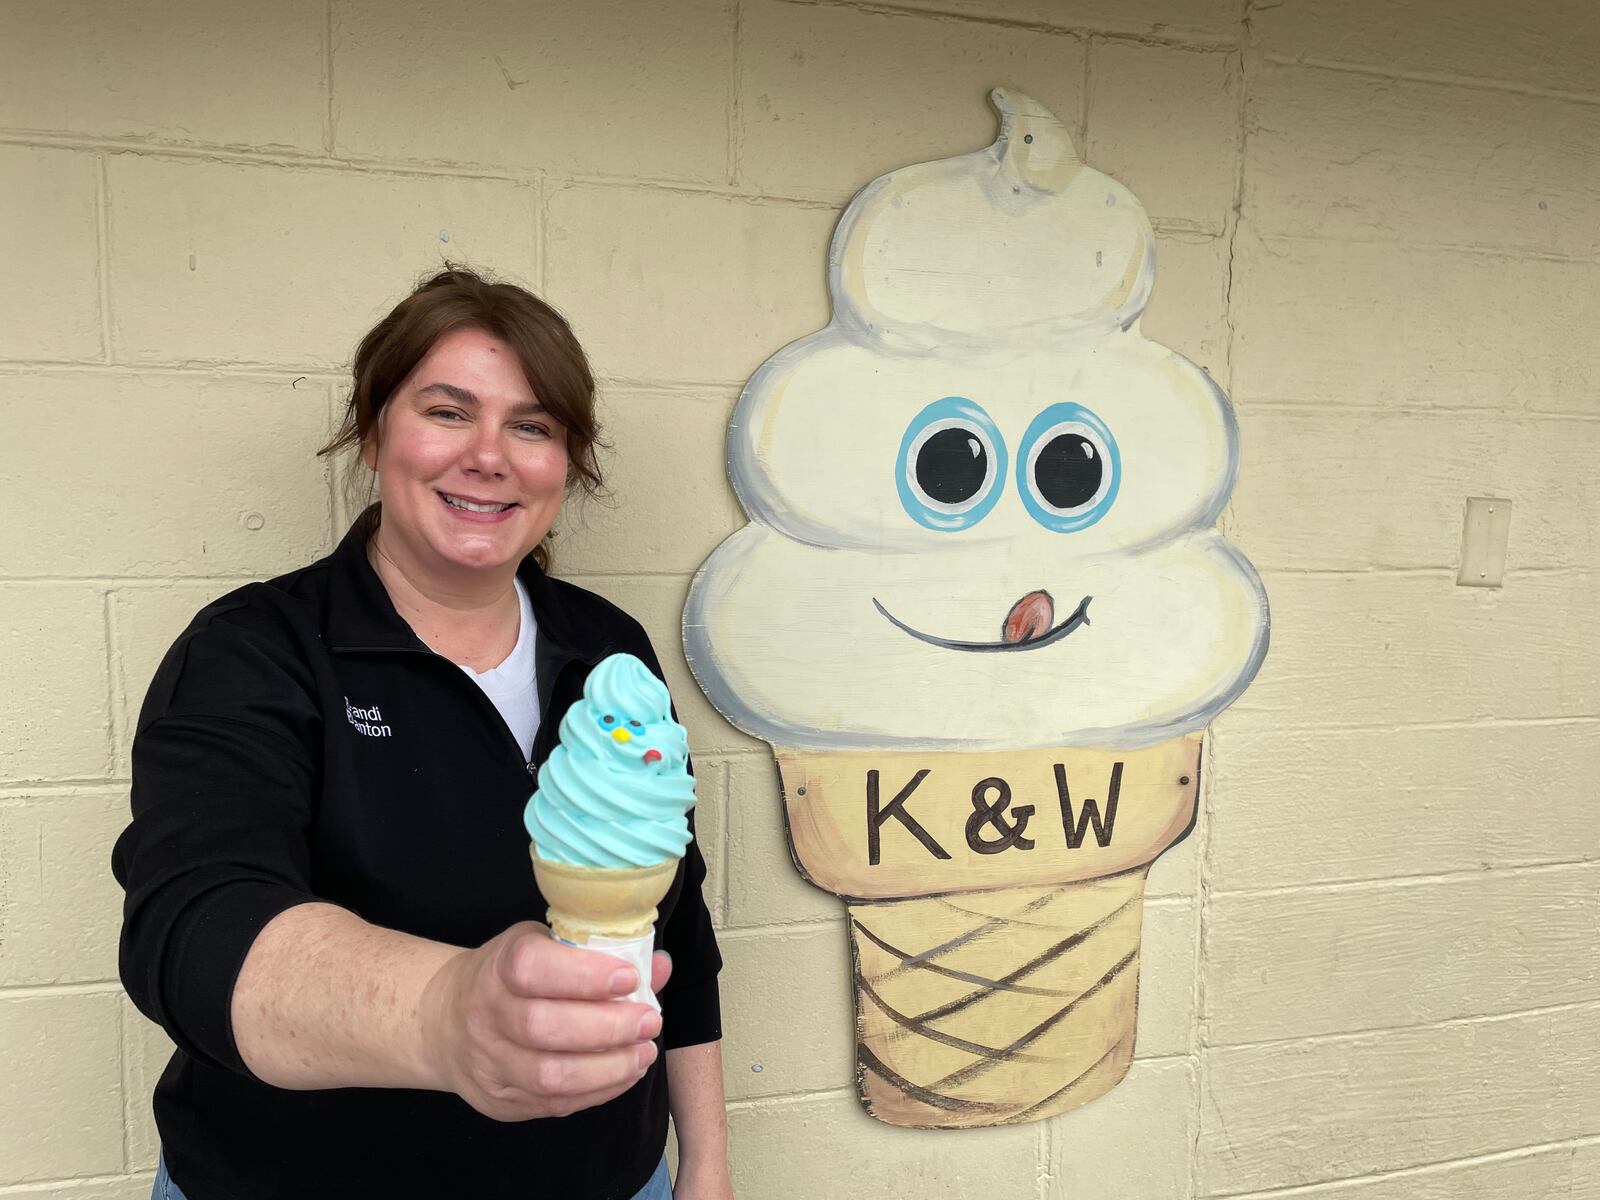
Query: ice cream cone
(996,946)
(608,902)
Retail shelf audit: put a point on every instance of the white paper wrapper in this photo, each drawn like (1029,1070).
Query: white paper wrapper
(631,950)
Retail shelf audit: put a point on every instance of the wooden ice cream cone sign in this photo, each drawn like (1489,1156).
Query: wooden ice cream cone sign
(983,615)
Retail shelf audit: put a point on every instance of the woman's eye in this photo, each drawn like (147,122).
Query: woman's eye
(952,460)
(448,414)
(1070,468)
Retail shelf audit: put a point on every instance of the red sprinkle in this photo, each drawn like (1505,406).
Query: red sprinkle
(651,756)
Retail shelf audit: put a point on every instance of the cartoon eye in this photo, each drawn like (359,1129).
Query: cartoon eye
(1070,468)
(951,462)
(636,724)
(609,719)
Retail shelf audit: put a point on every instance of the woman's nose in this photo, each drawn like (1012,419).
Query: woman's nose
(486,453)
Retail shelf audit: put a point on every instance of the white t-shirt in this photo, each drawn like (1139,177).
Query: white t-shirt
(510,686)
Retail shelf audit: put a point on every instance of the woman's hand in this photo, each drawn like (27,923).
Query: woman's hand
(525,1026)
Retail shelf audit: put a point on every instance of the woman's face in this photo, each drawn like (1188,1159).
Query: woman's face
(471,468)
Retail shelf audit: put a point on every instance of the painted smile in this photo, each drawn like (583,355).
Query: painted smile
(1080,616)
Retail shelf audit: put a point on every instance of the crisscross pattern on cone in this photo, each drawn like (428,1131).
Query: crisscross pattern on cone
(993,1008)
(615,902)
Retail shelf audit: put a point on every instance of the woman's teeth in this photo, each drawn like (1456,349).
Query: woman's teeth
(469,506)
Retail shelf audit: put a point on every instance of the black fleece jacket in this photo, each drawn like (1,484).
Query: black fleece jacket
(300,743)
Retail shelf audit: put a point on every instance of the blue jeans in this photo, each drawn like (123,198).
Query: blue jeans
(659,1187)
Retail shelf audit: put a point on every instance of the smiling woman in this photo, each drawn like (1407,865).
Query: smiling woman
(329,776)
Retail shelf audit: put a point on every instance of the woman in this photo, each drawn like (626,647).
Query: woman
(328,781)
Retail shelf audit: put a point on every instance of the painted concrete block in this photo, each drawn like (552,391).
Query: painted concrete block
(1299,964)
(1346,156)
(1369,324)
(831,97)
(146,622)
(259,264)
(578,86)
(1189,305)
(68,1119)
(1291,806)
(667,286)
(1380,649)
(1304,502)
(182,71)
(54,712)
(1165,122)
(145,1050)
(764,886)
(657,603)
(1130,1144)
(49,234)
(826,1146)
(194,475)
(1563,1173)
(1167,956)
(60,909)
(1544,45)
(669,502)
(1186,20)
(788,1025)
(1309,1112)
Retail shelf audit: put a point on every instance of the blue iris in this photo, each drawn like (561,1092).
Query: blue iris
(1068,468)
(951,464)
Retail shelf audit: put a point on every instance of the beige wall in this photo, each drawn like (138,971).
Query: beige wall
(1377,959)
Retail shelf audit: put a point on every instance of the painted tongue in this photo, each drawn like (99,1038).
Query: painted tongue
(1029,618)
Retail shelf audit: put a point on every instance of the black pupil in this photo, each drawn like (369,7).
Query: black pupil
(609,719)
(951,466)
(1068,471)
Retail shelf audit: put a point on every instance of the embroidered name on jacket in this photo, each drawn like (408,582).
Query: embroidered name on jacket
(366,720)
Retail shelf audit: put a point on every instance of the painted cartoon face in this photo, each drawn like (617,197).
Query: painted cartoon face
(981,501)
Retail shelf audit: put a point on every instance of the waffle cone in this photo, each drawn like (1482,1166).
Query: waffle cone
(996,952)
(615,902)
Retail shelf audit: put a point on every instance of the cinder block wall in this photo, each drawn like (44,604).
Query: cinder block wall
(1371,974)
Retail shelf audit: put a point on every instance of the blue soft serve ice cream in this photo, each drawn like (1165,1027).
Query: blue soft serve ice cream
(616,791)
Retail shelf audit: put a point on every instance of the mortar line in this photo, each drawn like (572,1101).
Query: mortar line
(128,580)
(1192,40)
(67,366)
(735,149)
(102,205)
(1440,1167)
(239,155)
(824,201)
(116,722)
(1368,1034)
(541,234)
(1441,78)
(1378,883)
(14,795)
(1511,254)
(126,1082)
(1086,109)
(1044,1171)
(1305,406)
(47,1187)
(1416,572)
(1429,726)
(327,78)
(45,991)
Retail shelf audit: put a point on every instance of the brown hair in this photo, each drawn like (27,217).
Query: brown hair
(458,298)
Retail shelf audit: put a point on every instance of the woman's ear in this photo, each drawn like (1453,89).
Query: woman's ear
(369,450)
